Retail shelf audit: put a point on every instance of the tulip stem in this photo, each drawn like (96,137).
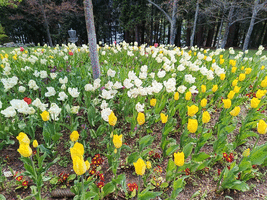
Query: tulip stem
(82,197)
(39,197)
(139,184)
(256,142)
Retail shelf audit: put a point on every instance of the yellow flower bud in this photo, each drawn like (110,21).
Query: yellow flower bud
(45,116)
(192,110)
(153,102)
(246,153)
(203,102)
(176,96)
(227,103)
(205,117)
(74,136)
(192,125)
(241,77)
(222,77)
(112,119)
(117,141)
(141,118)
(164,118)
(214,88)
(203,88)
(231,94)
(235,111)
(148,165)
(188,96)
(35,143)
(179,159)
(262,127)
(242,68)
(25,150)
(140,167)
(262,67)
(254,102)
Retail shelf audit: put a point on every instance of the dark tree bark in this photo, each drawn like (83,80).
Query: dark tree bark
(216,34)
(46,24)
(178,34)
(231,34)
(199,37)
(195,25)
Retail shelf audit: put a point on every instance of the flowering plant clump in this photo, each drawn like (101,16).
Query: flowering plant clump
(167,100)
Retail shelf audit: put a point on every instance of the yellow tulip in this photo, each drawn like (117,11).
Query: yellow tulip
(179,159)
(87,164)
(148,165)
(25,150)
(112,119)
(23,138)
(74,136)
(222,77)
(262,127)
(262,67)
(79,166)
(214,88)
(264,83)
(153,102)
(235,111)
(236,89)
(140,167)
(176,96)
(260,93)
(188,96)
(227,103)
(203,102)
(233,69)
(241,77)
(203,88)
(254,102)
(164,118)
(117,141)
(234,83)
(221,61)
(231,94)
(192,125)
(45,116)
(192,110)
(248,70)
(77,150)
(35,143)
(205,117)
(141,118)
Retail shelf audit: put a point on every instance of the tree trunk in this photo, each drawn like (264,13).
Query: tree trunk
(173,22)
(199,36)
(46,24)
(252,21)
(220,34)
(137,38)
(151,31)
(210,37)
(216,34)
(178,34)
(195,25)
(262,34)
(231,35)
(90,25)
(143,27)
(225,36)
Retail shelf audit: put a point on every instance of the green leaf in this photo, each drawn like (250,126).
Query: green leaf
(247,134)
(71,177)
(108,188)
(133,157)
(145,142)
(171,149)
(2,197)
(178,186)
(200,157)
(89,195)
(258,155)
(188,149)
(146,195)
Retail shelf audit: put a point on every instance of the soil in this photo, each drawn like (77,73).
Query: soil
(201,181)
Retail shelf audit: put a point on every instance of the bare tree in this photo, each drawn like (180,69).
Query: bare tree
(172,19)
(195,25)
(256,8)
(90,25)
